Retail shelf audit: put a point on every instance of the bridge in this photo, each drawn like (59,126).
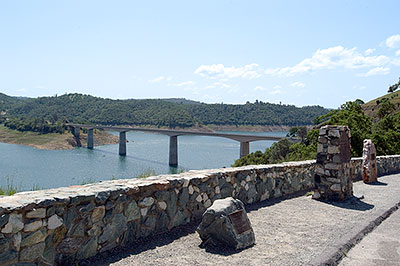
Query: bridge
(173,138)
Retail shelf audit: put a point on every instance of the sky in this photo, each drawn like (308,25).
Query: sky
(293,52)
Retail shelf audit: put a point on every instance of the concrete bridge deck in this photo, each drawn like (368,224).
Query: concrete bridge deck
(244,139)
(294,231)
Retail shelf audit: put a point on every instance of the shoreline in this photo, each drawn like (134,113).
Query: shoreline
(52,141)
(66,141)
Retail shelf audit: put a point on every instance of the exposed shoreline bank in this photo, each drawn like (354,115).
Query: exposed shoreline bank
(66,141)
(52,141)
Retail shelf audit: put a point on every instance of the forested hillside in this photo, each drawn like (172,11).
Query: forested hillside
(81,108)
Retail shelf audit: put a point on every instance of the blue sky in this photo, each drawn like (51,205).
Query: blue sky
(294,52)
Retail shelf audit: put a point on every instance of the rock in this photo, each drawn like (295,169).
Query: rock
(4,244)
(33,226)
(183,197)
(146,202)
(33,252)
(17,240)
(143,211)
(162,205)
(36,213)
(14,224)
(98,214)
(89,249)
(199,198)
(3,220)
(70,245)
(94,231)
(132,211)
(9,257)
(178,219)
(316,195)
(34,238)
(102,196)
(113,230)
(226,223)
(54,222)
(77,229)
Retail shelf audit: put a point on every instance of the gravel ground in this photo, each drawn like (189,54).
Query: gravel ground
(293,231)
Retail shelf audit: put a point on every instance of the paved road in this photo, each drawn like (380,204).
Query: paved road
(295,231)
(380,247)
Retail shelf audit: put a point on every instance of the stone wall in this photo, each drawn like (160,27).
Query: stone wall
(63,225)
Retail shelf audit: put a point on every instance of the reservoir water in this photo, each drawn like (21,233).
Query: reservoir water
(27,167)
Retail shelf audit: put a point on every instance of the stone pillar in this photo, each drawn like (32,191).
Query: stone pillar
(244,149)
(332,177)
(90,140)
(122,143)
(369,169)
(173,151)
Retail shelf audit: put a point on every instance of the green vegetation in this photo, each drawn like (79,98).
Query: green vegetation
(147,173)
(382,126)
(394,87)
(285,150)
(79,108)
(35,125)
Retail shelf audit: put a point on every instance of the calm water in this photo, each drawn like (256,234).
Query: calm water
(27,167)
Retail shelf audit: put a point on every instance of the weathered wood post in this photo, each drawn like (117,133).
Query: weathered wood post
(369,169)
(332,177)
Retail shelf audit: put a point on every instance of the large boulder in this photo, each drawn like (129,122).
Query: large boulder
(226,223)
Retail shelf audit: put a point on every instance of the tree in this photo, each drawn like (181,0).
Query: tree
(394,87)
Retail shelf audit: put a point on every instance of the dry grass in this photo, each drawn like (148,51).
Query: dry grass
(371,108)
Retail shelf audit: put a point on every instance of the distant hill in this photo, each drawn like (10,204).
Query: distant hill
(180,101)
(7,102)
(371,108)
(80,108)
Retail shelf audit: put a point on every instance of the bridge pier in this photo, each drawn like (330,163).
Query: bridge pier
(173,151)
(122,143)
(244,148)
(90,140)
(76,132)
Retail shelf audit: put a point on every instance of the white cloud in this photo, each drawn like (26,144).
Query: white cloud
(376,71)
(393,41)
(269,91)
(369,51)
(398,52)
(22,90)
(331,58)
(249,71)
(181,84)
(158,79)
(298,84)
(218,85)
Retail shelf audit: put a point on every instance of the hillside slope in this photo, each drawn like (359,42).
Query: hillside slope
(371,108)
(156,112)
